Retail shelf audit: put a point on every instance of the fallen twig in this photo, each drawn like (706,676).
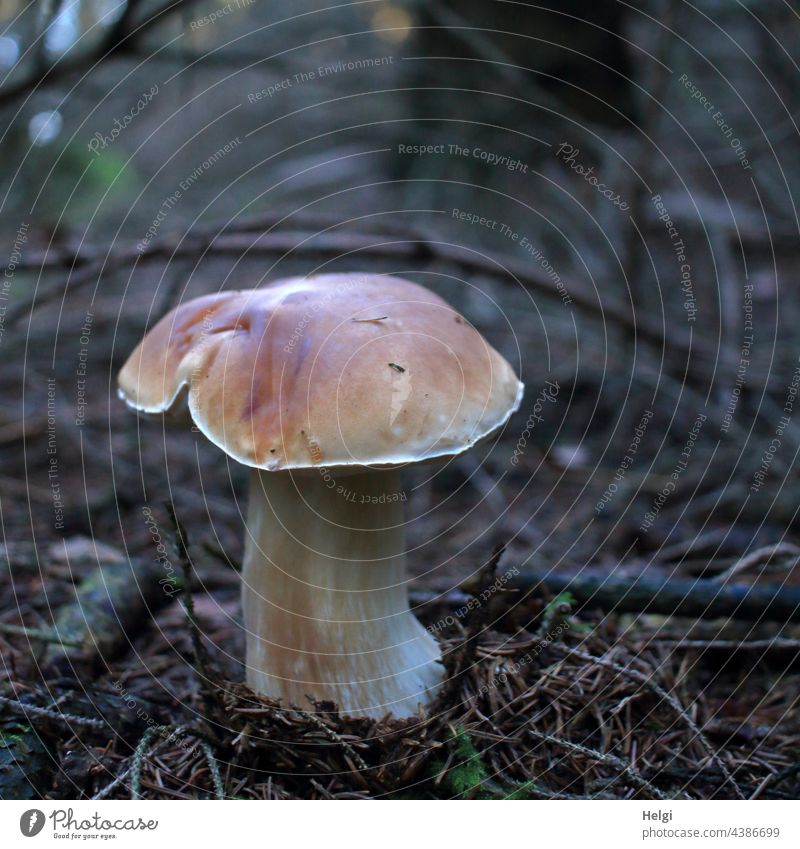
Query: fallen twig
(358,761)
(120,38)
(676,706)
(110,607)
(783,551)
(175,731)
(693,598)
(602,757)
(207,680)
(735,645)
(88,266)
(53,715)
(43,635)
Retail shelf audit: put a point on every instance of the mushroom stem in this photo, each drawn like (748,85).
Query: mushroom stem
(324,595)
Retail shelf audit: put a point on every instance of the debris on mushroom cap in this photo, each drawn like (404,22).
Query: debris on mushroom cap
(294,375)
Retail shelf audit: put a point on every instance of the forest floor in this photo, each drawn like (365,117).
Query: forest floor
(548,695)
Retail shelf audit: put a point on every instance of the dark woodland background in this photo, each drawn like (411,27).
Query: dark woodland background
(149,155)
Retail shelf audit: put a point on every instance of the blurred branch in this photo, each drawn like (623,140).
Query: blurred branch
(111,605)
(119,41)
(786,552)
(48,13)
(665,596)
(394,246)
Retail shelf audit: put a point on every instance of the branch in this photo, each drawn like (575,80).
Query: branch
(650,683)
(111,605)
(607,758)
(119,39)
(327,245)
(667,596)
(782,551)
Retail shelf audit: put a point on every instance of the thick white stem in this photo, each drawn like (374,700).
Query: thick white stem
(325,596)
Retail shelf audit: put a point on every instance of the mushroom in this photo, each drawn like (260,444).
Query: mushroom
(326,387)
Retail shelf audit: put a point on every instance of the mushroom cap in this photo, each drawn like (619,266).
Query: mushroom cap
(329,371)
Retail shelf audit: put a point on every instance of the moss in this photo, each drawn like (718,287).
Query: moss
(25,763)
(466,774)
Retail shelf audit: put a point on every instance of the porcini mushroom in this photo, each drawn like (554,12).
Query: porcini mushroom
(326,387)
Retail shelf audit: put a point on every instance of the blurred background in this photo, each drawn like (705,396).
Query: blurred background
(606,190)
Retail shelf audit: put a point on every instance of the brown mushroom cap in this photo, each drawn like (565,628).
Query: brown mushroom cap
(335,370)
